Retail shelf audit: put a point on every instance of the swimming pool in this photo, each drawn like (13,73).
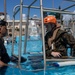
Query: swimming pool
(33,46)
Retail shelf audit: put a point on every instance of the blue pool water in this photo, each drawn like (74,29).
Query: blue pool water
(33,46)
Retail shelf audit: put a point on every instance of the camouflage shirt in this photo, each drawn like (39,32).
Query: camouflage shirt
(62,41)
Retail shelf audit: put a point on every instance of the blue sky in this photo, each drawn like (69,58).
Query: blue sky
(46,3)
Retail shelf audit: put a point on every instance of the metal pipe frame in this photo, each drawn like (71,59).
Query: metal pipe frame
(16,11)
(51,10)
(20,34)
(32,3)
(20,45)
(42,9)
(60,59)
(35,7)
(59,11)
(5,9)
(35,19)
(26,32)
(43,34)
(70,0)
(68,7)
(13,29)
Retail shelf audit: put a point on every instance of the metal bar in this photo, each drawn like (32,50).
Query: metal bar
(34,19)
(5,9)
(32,3)
(13,29)
(17,11)
(14,10)
(53,3)
(51,10)
(70,0)
(35,7)
(60,59)
(73,28)
(59,11)
(68,7)
(43,34)
(20,34)
(25,43)
(26,33)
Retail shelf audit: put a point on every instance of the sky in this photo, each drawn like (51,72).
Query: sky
(10,4)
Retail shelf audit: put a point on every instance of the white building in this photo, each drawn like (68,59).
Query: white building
(17,27)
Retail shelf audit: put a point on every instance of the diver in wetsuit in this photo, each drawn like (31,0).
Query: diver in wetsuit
(4,57)
(57,40)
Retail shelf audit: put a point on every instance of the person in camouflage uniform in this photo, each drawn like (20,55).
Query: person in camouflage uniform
(57,41)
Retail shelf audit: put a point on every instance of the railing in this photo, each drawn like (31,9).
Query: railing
(42,9)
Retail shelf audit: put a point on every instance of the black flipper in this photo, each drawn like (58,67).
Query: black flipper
(14,59)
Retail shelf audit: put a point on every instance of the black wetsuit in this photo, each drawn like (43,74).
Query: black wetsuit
(4,57)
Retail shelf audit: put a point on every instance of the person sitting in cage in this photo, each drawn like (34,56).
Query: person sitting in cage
(57,41)
(4,57)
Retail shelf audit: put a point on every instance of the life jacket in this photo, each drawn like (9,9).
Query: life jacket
(61,39)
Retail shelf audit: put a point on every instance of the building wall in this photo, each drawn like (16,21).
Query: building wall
(16,26)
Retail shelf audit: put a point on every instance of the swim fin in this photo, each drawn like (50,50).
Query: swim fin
(14,58)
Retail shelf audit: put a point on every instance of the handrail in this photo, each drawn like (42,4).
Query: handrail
(14,10)
(70,0)
(68,7)
(59,11)
(32,3)
(13,29)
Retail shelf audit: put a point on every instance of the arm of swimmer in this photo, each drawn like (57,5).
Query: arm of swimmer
(3,64)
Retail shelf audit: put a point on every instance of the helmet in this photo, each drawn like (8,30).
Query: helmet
(50,19)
